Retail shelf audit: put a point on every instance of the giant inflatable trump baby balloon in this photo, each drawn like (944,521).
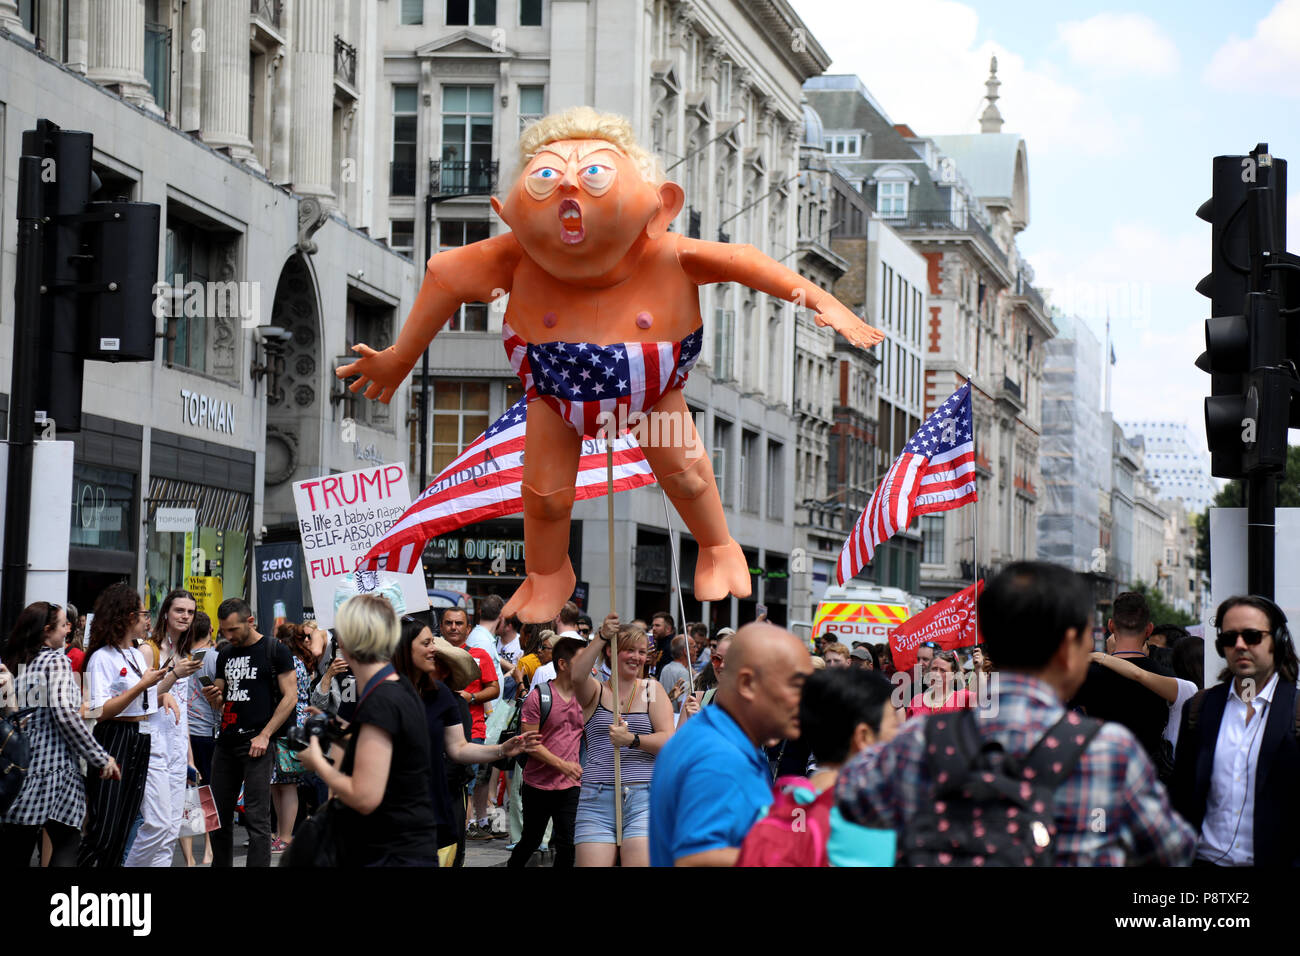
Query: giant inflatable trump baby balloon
(589,262)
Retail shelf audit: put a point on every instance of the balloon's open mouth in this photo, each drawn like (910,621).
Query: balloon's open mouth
(571,230)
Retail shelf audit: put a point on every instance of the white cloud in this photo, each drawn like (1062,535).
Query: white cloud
(1269,60)
(1133,275)
(1120,44)
(922,62)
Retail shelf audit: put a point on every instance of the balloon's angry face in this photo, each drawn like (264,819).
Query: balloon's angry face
(578,207)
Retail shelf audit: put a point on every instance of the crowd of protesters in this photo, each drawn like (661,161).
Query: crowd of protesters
(630,744)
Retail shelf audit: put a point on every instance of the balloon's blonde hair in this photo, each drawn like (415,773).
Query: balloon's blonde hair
(583,122)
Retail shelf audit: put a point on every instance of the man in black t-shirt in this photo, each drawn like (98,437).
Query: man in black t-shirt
(1110,696)
(256,690)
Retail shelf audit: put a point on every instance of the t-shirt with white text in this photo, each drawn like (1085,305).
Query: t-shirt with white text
(251,675)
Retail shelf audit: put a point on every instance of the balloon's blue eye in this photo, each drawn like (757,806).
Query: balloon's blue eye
(546,173)
(593,170)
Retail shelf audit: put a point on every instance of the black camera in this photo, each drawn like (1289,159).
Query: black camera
(323,726)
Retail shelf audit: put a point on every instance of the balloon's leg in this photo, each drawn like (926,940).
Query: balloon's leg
(551,450)
(686,475)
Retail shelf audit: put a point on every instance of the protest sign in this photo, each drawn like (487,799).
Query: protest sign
(207,595)
(339,518)
(950,623)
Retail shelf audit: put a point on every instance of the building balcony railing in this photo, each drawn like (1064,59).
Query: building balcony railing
(475,177)
(345,61)
(945,220)
(401,179)
(1025,290)
(267,10)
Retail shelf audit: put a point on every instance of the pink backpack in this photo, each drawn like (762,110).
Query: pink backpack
(794,831)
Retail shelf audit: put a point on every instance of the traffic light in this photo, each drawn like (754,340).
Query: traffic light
(1249,346)
(66,184)
(99,263)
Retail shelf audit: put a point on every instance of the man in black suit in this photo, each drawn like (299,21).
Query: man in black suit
(1111,696)
(1237,769)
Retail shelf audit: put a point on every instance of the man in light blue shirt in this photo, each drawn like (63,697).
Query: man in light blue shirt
(711,780)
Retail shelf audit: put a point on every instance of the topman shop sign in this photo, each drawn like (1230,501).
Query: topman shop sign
(205,412)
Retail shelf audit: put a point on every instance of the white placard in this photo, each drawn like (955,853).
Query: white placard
(175,519)
(339,518)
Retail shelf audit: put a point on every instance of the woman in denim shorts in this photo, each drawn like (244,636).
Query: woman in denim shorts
(644,728)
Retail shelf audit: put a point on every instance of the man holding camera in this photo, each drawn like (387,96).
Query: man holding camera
(256,689)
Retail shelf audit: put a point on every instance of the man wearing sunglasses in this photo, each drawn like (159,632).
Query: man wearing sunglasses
(1237,768)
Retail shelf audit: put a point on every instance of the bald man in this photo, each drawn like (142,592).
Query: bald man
(711,780)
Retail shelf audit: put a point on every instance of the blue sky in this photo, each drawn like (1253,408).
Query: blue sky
(1122,108)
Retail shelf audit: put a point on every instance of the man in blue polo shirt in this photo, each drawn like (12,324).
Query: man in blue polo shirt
(711,780)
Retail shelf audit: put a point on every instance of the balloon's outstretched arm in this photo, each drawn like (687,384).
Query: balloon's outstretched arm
(706,262)
(478,272)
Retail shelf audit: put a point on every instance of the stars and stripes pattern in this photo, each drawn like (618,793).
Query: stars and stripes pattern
(580,380)
(483,482)
(935,472)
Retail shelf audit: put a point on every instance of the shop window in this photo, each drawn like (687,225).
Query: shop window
(530,13)
(775,480)
(402,237)
(212,560)
(467,116)
(721,451)
(932,537)
(531,109)
(472,316)
(748,472)
(483,13)
(460,414)
(206,304)
(724,343)
(402,166)
(374,326)
(103,508)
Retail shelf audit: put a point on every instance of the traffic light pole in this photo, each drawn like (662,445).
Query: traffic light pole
(1261,534)
(22,389)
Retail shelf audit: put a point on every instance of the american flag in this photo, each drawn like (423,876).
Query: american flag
(935,472)
(483,482)
(581,381)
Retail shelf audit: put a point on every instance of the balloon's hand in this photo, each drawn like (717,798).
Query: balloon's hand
(853,328)
(381,372)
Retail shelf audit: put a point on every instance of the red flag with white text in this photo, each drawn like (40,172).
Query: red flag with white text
(951,623)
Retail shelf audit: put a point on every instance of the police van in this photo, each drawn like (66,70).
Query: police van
(861,612)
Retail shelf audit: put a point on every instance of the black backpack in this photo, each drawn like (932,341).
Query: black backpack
(15,754)
(991,809)
(515,727)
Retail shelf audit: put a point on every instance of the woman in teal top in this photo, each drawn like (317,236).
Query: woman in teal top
(843,712)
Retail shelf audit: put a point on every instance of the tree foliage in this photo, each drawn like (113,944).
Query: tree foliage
(1233,496)
(1161,612)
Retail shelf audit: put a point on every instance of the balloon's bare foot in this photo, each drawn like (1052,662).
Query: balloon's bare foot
(541,596)
(720,571)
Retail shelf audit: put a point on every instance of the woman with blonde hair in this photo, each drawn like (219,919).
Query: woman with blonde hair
(383,778)
(644,725)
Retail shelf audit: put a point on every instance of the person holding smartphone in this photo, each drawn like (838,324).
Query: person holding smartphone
(123,693)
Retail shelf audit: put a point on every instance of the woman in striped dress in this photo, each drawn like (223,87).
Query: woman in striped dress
(644,728)
(53,796)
